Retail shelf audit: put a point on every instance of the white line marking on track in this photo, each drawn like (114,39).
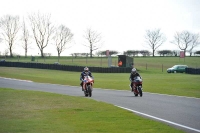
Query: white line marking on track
(171,95)
(173,123)
(16,79)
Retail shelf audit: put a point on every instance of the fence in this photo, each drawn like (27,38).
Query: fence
(66,67)
(80,68)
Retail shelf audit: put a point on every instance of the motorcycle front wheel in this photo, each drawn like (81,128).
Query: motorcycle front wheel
(140,90)
(89,91)
(86,91)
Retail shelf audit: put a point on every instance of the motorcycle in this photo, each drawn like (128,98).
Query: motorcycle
(137,86)
(88,85)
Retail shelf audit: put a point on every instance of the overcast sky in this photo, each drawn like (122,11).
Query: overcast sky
(122,23)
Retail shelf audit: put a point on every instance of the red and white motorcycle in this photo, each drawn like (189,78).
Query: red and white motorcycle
(88,85)
(137,86)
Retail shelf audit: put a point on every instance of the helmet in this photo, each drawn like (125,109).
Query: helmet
(86,69)
(133,71)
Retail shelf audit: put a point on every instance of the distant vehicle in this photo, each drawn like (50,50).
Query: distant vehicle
(177,69)
(2,60)
(56,63)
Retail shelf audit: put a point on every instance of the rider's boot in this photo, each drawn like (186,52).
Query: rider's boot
(131,88)
(82,86)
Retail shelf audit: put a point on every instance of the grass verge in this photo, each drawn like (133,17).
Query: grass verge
(40,112)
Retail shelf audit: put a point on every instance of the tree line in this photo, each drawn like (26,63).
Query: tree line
(38,27)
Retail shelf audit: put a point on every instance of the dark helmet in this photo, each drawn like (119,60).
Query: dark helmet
(86,69)
(133,71)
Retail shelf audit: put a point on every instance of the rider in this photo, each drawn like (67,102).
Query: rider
(83,74)
(133,74)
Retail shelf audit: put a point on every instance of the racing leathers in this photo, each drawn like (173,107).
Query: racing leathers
(131,78)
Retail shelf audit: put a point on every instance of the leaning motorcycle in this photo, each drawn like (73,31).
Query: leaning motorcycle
(137,86)
(88,85)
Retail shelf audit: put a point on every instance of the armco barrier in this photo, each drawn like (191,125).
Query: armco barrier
(192,70)
(66,67)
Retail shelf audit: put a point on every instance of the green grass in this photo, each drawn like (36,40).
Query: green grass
(40,112)
(174,84)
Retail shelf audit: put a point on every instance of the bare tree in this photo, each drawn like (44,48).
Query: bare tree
(6,53)
(25,38)
(10,26)
(62,36)
(182,40)
(195,42)
(154,38)
(93,39)
(42,30)
(177,39)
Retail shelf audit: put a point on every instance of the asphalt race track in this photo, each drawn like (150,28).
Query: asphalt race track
(180,112)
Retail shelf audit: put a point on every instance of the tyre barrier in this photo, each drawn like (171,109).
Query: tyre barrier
(66,67)
(192,70)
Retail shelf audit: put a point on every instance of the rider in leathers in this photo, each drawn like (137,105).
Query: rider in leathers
(83,74)
(133,74)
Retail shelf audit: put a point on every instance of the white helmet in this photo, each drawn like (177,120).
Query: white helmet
(86,69)
(133,71)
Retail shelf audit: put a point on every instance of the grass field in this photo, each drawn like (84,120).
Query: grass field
(39,112)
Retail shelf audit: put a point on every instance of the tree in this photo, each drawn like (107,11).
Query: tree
(42,30)
(165,52)
(111,52)
(197,52)
(132,52)
(62,36)
(25,38)
(175,52)
(93,40)
(145,53)
(195,42)
(154,39)
(182,40)
(98,53)
(10,26)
